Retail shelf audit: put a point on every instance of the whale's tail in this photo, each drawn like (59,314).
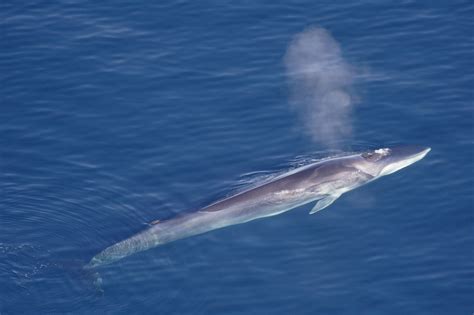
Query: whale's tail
(86,278)
(93,277)
(137,243)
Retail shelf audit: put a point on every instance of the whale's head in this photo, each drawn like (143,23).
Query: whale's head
(386,161)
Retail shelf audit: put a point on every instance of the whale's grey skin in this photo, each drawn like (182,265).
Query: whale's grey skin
(324,181)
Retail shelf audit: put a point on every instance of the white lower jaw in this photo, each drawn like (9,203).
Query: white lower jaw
(392,168)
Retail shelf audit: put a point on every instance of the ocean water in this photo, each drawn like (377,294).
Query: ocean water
(115,114)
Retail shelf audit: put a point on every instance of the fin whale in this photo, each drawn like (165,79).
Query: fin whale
(323,181)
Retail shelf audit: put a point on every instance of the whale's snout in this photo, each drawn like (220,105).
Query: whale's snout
(403,156)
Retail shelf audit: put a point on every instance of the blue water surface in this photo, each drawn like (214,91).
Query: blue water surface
(115,114)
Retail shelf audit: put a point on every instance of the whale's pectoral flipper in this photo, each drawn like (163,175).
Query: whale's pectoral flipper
(323,203)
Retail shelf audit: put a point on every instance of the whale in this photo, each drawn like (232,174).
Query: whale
(322,182)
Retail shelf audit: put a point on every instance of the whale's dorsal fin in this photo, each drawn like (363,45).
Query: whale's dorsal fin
(323,203)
